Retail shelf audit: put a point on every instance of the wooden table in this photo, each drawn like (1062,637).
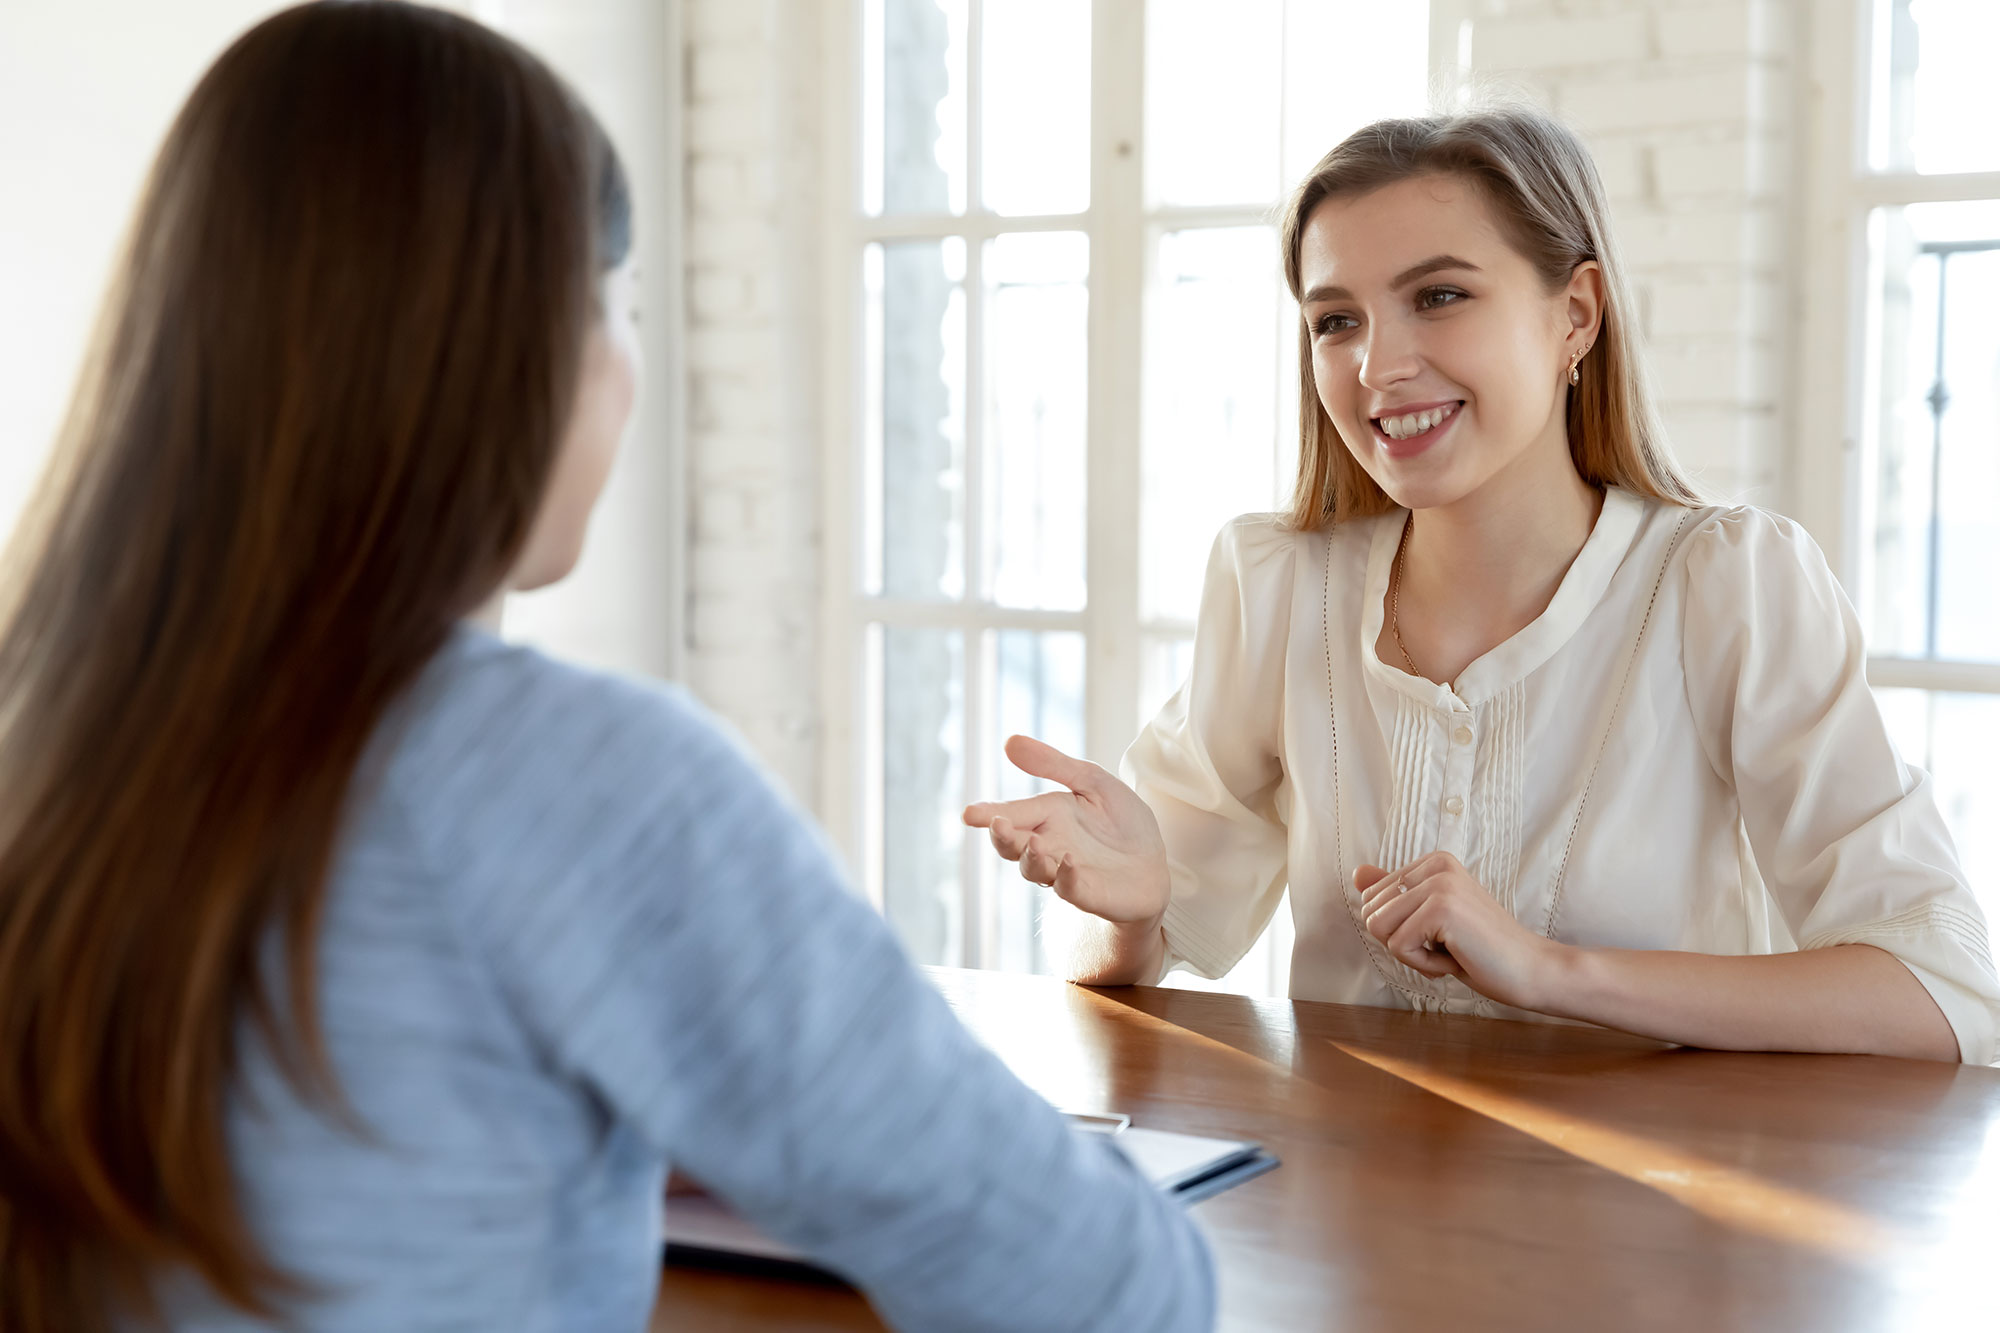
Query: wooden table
(1461,1173)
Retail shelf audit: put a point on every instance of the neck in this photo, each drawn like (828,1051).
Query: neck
(488,616)
(1499,553)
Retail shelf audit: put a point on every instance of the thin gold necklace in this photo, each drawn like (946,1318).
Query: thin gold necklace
(1395,597)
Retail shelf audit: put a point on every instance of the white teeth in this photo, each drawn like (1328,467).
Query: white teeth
(1415,423)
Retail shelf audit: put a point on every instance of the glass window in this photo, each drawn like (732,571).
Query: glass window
(1038,691)
(1934,520)
(915,434)
(990,276)
(1236,112)
(1037,381)
(913,100)
(1212,105)
(1927,502)
(1933,103)
(1954,737)
(1036,106)
(1168,661)
(1220,350)
(917,766)
(1347,62)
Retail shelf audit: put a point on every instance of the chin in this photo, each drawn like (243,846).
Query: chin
(545,573)
(1424,492)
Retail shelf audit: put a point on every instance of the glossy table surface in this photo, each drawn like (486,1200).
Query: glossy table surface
(1455,1172)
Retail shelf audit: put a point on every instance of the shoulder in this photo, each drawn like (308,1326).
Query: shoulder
(1746,537)
(1252,570)
(1761,596)
(1263,545)
(1733,553)
(496,741)
(1257,542)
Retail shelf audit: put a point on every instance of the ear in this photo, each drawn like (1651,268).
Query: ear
(1583,305)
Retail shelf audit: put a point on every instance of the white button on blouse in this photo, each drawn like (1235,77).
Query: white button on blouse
(1681,752)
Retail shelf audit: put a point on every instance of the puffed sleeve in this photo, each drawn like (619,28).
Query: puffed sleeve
(1209,765)
(1847,836)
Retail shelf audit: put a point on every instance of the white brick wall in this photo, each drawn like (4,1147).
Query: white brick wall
(753,145)
(1687,106)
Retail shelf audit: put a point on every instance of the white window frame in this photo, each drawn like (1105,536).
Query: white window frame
(1835,314)
(1121,231)
(1109,620)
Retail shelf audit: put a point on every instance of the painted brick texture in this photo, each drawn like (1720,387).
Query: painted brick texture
(1688,109)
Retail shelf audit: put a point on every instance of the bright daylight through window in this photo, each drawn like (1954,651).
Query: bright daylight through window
(996,199)
(1930,409)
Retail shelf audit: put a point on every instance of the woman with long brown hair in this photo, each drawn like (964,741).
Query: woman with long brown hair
(358,971)
(1526,728)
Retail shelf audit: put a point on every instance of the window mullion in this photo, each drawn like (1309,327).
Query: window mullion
(974,226)
(1117,269)
(912,613)
(1827,436)
(843,674)
(1887,189)
(1922,673)
(975,940)
(976,943)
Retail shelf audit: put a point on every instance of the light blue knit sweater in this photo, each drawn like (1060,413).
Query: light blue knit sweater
(574,935)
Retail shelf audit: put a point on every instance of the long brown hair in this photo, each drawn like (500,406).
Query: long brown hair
(324,401)
(1539,179)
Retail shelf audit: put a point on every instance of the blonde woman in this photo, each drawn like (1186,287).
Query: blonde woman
(1527,729)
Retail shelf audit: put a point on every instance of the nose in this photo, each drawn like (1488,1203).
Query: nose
(1388,354)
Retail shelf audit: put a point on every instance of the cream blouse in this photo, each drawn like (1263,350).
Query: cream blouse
(1681,752)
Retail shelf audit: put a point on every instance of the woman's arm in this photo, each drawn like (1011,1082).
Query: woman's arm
(1847,838)
(676,939)
(1118,953)
(1182,855)
(1851,998)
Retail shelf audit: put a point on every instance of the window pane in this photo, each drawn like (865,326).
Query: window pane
(1212,102)
(1210,447)
(1036,371)
(1347,62)
(1954,737)
(919,698)
(1166,670)
(1035,112)
(1934,513)
(1933,102)
(1236,112)
(913,106)
(1037,691)
(916,418)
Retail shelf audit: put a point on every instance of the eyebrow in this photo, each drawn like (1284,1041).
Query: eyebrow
(1423,269)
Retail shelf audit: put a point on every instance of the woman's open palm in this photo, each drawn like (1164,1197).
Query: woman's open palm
(1097,844)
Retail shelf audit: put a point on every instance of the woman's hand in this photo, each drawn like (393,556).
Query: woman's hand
(1438,920)
(1097,844)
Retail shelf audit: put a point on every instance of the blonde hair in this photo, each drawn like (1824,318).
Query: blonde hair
(1544,188)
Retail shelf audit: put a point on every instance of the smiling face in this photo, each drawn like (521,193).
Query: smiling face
(1439,353)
